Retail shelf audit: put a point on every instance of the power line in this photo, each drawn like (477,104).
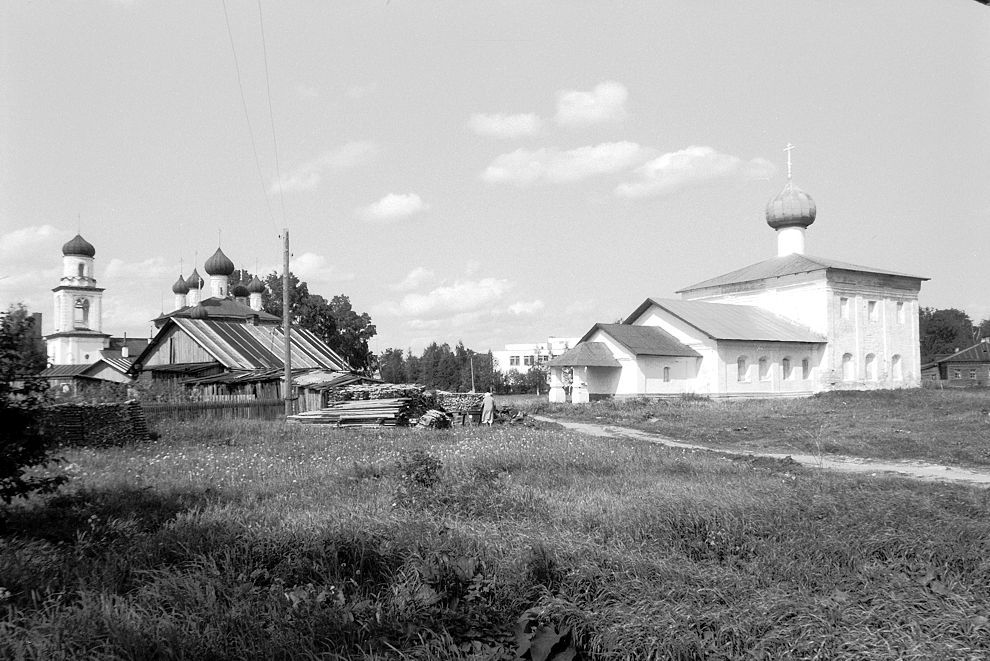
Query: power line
(247,116)
(271,116)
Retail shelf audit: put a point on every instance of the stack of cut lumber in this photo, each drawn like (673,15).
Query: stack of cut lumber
(459,401)
(419,397)
(393,412)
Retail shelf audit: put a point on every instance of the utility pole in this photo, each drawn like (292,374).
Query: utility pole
(472,372)
(286,325)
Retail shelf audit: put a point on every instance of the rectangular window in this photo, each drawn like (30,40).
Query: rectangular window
(844,307)
(544,359)
(872,310)
(900,312)
(972,374)
(513,360)
(527,360)
(956,374)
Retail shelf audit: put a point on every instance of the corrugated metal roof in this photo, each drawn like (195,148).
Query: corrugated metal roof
(644,340)
(793,264)
(222,308)
(64,370)
(586,354)
(722,321)
(115,360)
(978,353)
(239,346)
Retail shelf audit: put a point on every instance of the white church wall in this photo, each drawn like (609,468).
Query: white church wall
(628,380)
(668,375)
(802,298)
(769,380)
(707,372)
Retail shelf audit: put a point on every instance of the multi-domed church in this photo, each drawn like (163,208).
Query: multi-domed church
(790,325)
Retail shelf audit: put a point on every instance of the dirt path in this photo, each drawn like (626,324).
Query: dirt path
(915,469)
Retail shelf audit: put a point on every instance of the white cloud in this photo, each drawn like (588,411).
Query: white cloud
(311,267)
(307,176)
(526,307)
(695,165)
(462,296)
(357,92)
(304,91)
(151,269)
(392,207)
(605,103)
(524,166)
(417,277)
(505,126)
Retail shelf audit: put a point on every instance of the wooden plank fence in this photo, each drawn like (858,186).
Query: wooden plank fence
(257,409)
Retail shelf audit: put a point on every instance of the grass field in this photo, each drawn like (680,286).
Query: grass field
(940,426)
(259,540)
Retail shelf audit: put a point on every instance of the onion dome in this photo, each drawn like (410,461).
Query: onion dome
(195,280)
(180,286)
(199,312)
(79,246)
(219,264)
(239,290)
(256,286)
(791,208)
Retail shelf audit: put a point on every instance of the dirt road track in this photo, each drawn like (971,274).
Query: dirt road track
(916,469)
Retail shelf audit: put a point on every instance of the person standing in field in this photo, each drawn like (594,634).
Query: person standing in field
(488,409)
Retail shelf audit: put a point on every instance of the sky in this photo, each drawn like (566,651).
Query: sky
(488,172)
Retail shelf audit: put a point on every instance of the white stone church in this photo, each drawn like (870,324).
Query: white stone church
(791,325)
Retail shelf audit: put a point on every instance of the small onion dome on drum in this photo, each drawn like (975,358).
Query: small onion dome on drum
(256,286)
(79,246)
(219,264)
(239,290)
(195,280)
(180,286)
(791,208)
(199,312)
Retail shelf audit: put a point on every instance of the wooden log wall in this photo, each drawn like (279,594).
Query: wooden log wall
(96,425)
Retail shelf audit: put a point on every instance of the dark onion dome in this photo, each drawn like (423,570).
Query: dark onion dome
(219,264)
(256,286)
(791,208)
(79,246)
(240,290)
(180,286)
(199,312)
(194,281)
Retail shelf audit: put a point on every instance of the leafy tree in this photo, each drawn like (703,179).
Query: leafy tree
(392,366)
(23,444)
(944,331)
(335,321)
(535,379)
(983,330)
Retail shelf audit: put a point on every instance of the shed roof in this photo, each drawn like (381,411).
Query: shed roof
(586,354)
(64,371)
(242,346)
(220,309)
(978,353)
(723,321)
(793,264)
(644,340)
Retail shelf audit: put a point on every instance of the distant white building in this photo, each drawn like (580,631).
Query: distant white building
(523,355)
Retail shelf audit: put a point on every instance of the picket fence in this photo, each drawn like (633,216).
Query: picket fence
(257,409)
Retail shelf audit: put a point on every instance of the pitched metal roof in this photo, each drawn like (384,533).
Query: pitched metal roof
(113,358)
(240,346)
(722,321)
(586,354)
(64,371)
(978,353)
(793,264)
(220,309)
(644,340)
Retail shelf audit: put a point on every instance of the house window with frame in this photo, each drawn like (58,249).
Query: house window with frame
(805,368)
(972,374)
(742,369)
(873,310)
(956,374)
(666,375)
(514,361)
(785,365)
(528,360)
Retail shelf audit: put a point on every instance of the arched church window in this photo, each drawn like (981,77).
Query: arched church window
(742,369)
(848,368)
(805,368)
(80,313)
(764,368)
(871,367)
(896,370)
(666,375)
(786,366)
(82,270)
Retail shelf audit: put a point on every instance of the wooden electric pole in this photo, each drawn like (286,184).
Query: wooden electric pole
(286,326)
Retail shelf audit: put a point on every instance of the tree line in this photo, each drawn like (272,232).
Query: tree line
(945,331)
(457,370)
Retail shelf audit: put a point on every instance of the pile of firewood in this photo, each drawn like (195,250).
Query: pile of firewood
(434,419)
(420,399)
(459,401)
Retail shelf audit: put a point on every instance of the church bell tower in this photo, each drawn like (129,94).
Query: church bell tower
(78,336)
